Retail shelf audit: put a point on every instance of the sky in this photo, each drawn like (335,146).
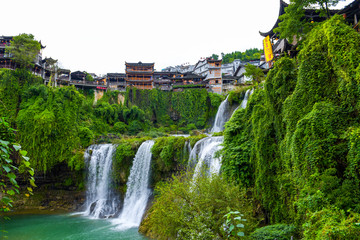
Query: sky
(100,36)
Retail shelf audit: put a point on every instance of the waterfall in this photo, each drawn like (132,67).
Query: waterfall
(222,116)
(100,200)
(138,191)
(244,101)
(203,155)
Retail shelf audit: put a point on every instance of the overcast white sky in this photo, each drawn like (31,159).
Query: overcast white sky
(99,36)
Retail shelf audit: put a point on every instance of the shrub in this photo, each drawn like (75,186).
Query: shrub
(271,232)
(332,224)
(86,136)
(120,127)
(185,209)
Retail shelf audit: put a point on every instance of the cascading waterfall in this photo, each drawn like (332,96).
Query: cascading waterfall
(244,101)
(222,116)
(101,202)
(138,190)
(203,155)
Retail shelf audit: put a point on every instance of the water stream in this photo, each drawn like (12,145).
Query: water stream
(222,116)
(203,155)
(138,191)
(101,201)
(244,101)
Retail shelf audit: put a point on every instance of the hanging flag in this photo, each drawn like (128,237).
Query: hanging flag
(268,49)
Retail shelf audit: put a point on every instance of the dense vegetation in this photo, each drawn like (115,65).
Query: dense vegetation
(189,109)
(188,209)
(56,123)
(296,144)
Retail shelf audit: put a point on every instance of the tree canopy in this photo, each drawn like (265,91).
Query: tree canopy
(293,22)
(24,49)
(248,55)
(255,73)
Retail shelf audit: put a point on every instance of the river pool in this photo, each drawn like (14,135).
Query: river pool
(64,226)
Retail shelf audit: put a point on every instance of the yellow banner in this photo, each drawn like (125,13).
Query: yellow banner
(268,49)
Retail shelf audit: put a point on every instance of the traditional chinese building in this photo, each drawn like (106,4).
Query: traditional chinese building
(214,76)
(116,81)
(211,70)
(282,45)
(5,60)
(78,76)
(351,13)
(139,75)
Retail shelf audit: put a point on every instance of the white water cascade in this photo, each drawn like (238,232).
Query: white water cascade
(202,156)
(245,100)
(101,202)
(222,116)
(138,190)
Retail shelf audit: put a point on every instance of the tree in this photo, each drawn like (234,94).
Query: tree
(214,56)
(88,77)
(293,22)
(52,65)
(255,73)
(24,49)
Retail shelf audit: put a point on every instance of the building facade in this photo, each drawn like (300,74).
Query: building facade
(140,75)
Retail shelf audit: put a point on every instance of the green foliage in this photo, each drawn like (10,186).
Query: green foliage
(214,56)
(48,125)
(248,55)
(169,155)
(24,49)
(332,224)
(12,160)
(234,224)
(86,136)
(124,156)
(12,85)
(111,97)
(76,162)
(254,72)
(271,232)
(294,23)
(120,127)
(191,106)
(184,209)
(236,163)
(135,127)
(296,146)
(88,77)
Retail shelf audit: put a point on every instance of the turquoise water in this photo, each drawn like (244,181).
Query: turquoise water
(67,227)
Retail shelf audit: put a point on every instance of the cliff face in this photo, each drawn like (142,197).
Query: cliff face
(62,189)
